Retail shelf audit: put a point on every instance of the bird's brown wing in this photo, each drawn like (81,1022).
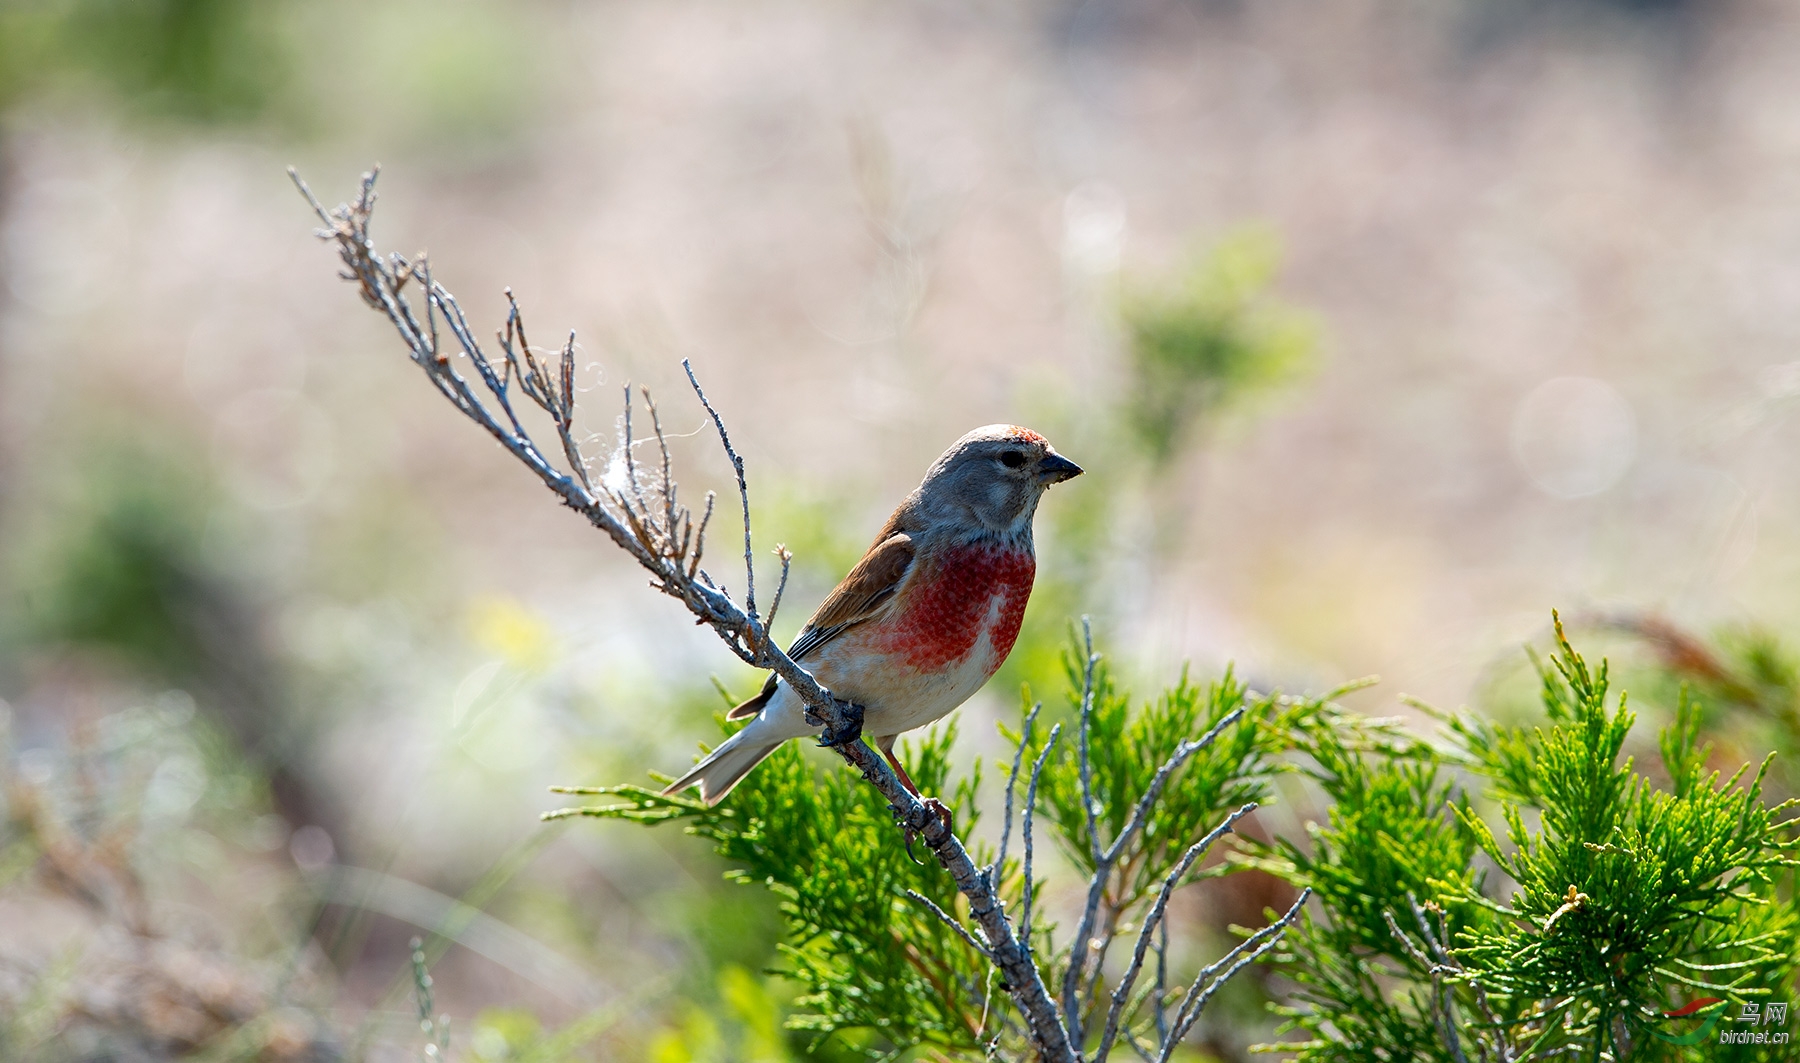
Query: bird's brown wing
(861,596)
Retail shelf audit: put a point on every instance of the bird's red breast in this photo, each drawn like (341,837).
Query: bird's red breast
(962,593)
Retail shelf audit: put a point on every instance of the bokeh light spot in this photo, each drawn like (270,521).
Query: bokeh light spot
(1574,436)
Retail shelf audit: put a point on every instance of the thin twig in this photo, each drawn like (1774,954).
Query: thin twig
(1441,1016)
(998,867)
(950,921)
(1081,949)
(1141,814)
(737,465)
(1037,769)
(1161,1005)
(1087,715)
(787,557)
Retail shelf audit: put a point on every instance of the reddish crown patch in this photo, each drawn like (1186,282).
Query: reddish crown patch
(968,591)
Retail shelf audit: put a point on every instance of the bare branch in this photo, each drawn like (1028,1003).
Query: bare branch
(1441,1015)
(786,556)
(1078,947)
(1160,993)
(737,465)
(1445,965)
(1141,814)
(1087,715)
(1081,949)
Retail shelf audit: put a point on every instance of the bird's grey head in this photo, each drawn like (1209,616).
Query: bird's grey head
(993,478)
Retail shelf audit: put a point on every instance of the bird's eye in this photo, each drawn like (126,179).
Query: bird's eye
(1012,459)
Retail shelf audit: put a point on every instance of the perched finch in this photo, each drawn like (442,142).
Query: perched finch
(928,614)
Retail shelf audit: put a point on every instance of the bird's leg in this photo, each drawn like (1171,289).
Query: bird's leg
(852,730)
(886,745)
(932,805)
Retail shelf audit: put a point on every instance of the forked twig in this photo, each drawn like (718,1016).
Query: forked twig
(1211,977)
(1122,992)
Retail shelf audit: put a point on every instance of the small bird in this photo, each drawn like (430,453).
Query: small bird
(925,618)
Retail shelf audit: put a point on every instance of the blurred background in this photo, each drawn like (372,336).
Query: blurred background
(1381,327)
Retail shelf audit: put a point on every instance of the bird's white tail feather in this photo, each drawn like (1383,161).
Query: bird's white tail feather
(725,766)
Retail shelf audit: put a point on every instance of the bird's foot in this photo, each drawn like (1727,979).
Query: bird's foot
(849,732)
(942,812)
(938,810)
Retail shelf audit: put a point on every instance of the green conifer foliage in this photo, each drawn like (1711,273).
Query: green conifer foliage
(867,956)
(879,966)
(1616,901)
(1602,901)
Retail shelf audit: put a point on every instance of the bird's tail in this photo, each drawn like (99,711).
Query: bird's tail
(725,766)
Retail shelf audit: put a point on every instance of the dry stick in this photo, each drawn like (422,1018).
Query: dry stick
(648,542)
(1087,715)
(1448,963)
(737,465)
(786,557)
(1122,991)
(1441,963)
(1161,1005)
(1501,1043)
(1078,948)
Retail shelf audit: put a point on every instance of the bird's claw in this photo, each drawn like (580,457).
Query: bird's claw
(939,811)
(850,732)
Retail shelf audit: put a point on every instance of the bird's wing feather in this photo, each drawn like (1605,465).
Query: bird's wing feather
(863,595)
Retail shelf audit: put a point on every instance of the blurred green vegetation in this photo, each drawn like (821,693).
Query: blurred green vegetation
(111,561)
(450,76)
(207,60)
(1212,338)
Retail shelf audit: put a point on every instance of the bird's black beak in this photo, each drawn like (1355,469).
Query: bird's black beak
(1055,468)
